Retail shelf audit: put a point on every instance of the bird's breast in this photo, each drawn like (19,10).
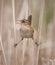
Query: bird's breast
(26,32)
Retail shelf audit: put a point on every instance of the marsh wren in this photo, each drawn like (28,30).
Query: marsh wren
(26,30)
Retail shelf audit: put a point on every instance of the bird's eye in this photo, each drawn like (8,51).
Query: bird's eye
(24,20)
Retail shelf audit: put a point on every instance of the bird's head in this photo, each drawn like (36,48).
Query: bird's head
(28,21)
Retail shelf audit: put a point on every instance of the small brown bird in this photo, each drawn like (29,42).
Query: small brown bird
(26,30)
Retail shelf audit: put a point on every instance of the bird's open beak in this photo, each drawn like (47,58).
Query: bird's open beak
(19,22)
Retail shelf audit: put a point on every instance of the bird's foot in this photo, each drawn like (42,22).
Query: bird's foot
(36,43)
(15,45)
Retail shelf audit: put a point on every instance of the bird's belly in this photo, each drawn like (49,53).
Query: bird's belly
(26,33)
